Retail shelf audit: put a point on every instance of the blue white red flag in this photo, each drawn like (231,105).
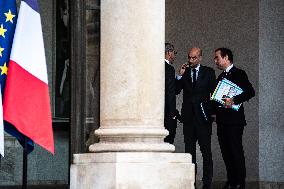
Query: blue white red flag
(26,102)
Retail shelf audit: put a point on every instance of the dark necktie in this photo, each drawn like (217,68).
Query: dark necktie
(194,78)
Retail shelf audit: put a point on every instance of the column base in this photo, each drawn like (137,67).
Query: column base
(129,170)
(131,147)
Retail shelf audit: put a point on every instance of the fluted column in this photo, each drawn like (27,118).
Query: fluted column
(132,77)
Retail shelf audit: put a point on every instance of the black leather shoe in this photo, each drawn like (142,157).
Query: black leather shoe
(228,186)
(206,187)
(239,187)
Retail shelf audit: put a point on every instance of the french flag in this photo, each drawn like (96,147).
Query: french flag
(26,100)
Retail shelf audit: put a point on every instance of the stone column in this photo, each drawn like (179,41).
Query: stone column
(132,77)
(131,152)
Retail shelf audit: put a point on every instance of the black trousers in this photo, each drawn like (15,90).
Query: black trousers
(230,141)
(195,131)
(170,125)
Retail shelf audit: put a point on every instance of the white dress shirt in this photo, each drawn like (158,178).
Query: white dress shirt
(191,73)
(229,68)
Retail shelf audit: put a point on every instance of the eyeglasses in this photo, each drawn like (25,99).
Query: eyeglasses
(193,58)
(175,52)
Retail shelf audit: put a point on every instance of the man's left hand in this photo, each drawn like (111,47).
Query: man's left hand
(229,102)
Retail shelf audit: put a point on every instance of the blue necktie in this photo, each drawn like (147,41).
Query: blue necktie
(194,78)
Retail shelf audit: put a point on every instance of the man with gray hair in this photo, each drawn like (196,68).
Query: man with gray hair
(171,113)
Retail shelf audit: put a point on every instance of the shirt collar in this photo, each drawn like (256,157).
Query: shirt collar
(167,61)
(196,68)
(229,68)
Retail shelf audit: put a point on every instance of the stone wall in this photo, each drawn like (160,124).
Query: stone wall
(43,167)
(271,79)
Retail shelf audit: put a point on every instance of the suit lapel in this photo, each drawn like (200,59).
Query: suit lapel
(187,79)
(229,74)
(188,76)
(200,76)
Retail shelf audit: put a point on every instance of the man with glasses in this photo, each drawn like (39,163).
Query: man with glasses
(171,114)
(197,82)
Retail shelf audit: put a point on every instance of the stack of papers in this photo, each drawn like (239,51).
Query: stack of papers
(226,89)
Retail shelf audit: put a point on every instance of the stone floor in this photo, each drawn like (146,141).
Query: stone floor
(216,185)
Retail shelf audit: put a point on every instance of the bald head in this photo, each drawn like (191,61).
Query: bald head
(194,56)
(195,50)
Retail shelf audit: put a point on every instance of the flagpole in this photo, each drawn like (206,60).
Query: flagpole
(25,164)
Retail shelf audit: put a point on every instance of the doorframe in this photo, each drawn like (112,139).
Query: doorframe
(78,76)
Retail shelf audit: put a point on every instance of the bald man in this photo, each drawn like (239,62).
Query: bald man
(197,82)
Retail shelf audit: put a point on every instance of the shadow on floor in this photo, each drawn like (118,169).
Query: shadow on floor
(219,185)
(37,187)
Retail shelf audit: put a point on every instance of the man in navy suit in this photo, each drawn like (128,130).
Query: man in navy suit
(230,123)
(171,114)
(197,82)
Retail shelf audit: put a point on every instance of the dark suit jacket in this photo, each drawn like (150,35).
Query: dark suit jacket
(170,96)
(229,116)
(192,98)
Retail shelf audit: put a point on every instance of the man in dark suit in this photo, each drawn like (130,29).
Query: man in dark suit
(230,123)
(197,82)
(171,113)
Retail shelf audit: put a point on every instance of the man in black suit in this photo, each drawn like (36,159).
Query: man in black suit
(171,113)
(197,82)
(230,123)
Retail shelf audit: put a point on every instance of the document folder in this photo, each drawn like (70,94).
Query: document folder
(226,89)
